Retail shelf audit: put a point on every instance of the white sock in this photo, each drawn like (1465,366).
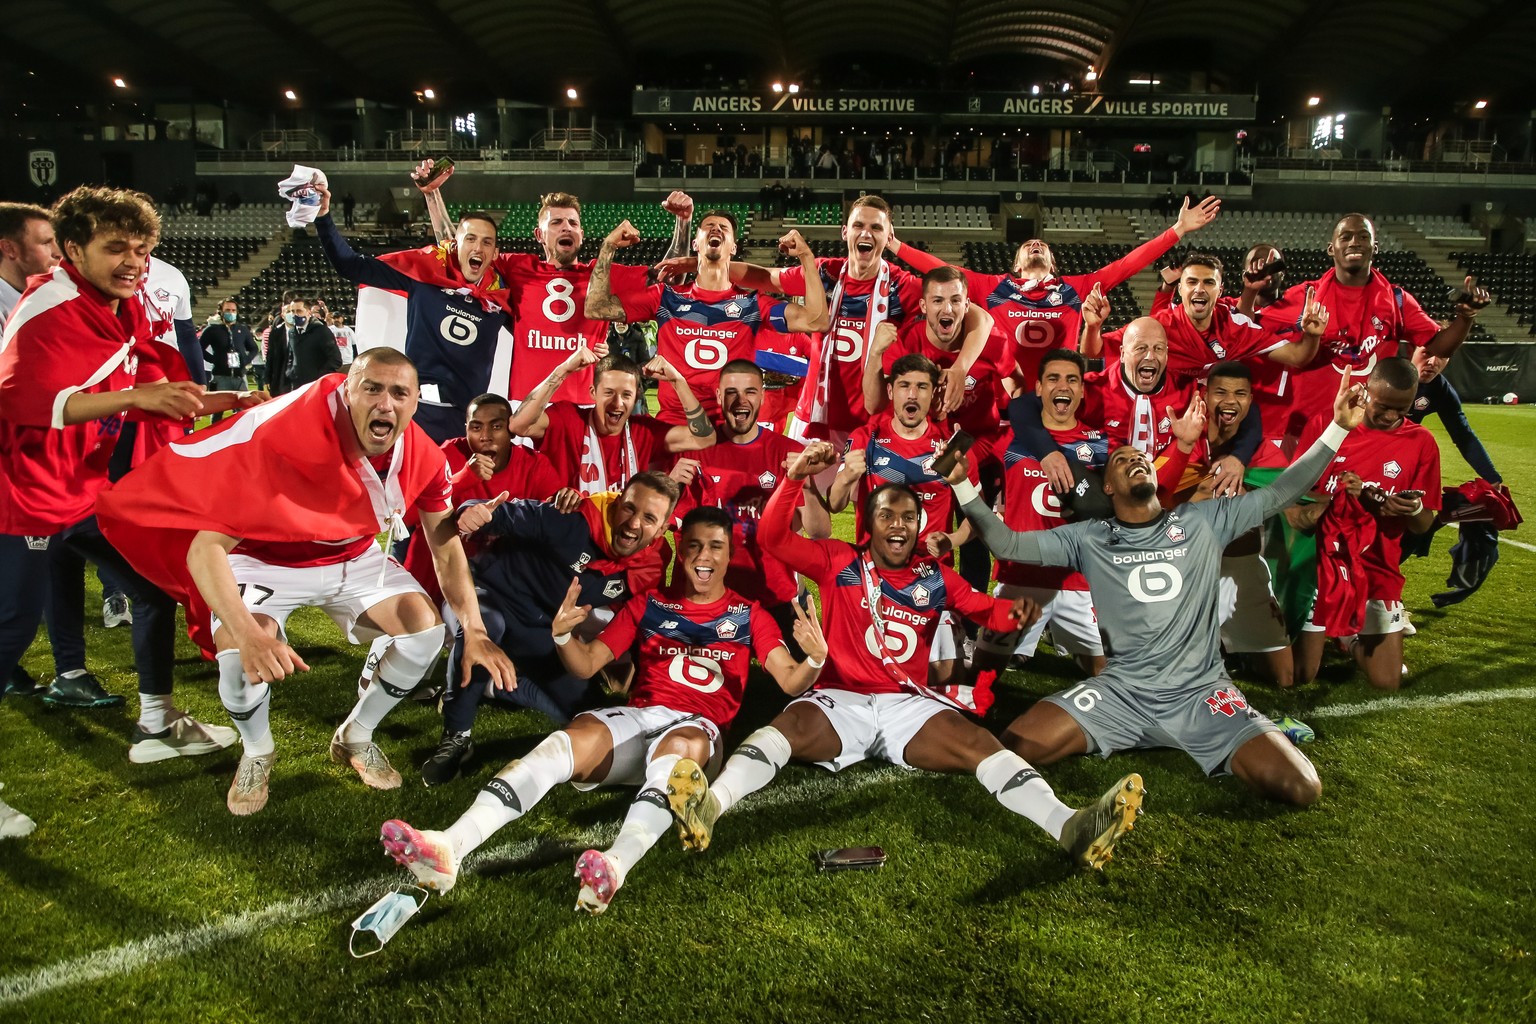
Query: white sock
(513,792)
(408,659)
(247,704)
(648,819)
(751,767)
(155,711)
(376,652)
(1020,788)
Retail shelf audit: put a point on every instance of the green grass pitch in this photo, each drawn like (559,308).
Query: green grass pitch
(1404,895)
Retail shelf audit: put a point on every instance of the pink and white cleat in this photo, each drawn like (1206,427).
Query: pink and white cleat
(600,879)
(428,855)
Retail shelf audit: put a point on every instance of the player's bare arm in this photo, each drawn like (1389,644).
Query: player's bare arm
(177,400)
(855,465)
(873,382)
(978,328)
(698,432)
(1193,218)
(795,677)
(680,205)
(1454,333)
(601,303)
(1314,324)
(584,659)
(532,417)
(1094,312)
(452,567)
(432,191)
(263,656)
(814,316)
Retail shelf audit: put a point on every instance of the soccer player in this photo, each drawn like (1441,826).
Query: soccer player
(27,248)
(75,361)
(451,333)
(598,449)
(1437,396)
(327,468)
(1369,318)
(1040,311)
(612,543)
(702,326)
(881,607)
(1391,465)
(1154,574)
(692,643)
(737,475)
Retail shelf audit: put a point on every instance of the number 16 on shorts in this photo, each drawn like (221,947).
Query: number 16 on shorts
(1082,696)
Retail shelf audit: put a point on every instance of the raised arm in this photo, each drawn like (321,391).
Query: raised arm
(795,677)
(775,530)
(1300,476)
(431,191)
(813,317)
(874,367)
(584,659)
(602,304)
(700,432)
(532,417)
(680,205)
(349,264)
(1451,336)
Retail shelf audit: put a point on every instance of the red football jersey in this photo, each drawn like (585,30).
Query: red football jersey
(893,458)
(849,336)
(1031,503)
(1364,324)
(549,322)
(566,438)
(692,657)
(1129,417)
(63,338)
(1191,353)
(739,478)
(698,332)
(978,414)
(1402,459)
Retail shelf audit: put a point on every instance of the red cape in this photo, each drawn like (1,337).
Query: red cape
(276,472)
(436,265)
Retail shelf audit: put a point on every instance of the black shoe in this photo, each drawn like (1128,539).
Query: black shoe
(80,692)
(444,765)
(427,693)
(21,684)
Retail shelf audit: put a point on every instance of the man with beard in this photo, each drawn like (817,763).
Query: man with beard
(610,544)
(1391,466)
(601,448)
(702,326)
(1040,311)
(692,642)
(737,475)
(881,606)
(1154,574)
(335,464)
(451,332)
(1369,319)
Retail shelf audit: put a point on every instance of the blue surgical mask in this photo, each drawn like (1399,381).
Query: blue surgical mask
(229,318)
(287,318)
(380,922)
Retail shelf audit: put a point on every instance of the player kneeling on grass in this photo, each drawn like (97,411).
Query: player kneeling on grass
(325,469)
(883,603)
(692,643)
(1155,578)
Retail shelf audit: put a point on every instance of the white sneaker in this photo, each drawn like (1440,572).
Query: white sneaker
(600,880)
(14,824)
(115,611)
(184,737)
(428,855)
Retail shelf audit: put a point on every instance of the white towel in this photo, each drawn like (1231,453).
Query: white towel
(299,187)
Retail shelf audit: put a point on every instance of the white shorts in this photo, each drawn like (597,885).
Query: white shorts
(343,591)
(1070,614)
(1381,618)
(944,646)
(1251,619)
(878,725)
(636,733)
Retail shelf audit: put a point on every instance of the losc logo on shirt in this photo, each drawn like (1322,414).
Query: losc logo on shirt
(613,588)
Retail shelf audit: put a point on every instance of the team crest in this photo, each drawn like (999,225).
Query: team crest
(613,588)
(1391,470)
(1219,349)
(766,481)
(920,596)
(1175,533)
(1054,298)
(1377,325)
(1084,453)
(1163,425)
(733,310)
(37,543)
(1420,404)
(928,464)
(725,629)
(162,295)
(1226,702)
(970,383)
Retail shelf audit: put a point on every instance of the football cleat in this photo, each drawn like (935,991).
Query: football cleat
(367,760)
(694,807)
(14,824)
(428,856)
(248,793)
(115,611)
(184,737)
(600,879)
(1091,833)
(445,764)
(1297,731)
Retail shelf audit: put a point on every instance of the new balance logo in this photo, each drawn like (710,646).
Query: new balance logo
(1226,702)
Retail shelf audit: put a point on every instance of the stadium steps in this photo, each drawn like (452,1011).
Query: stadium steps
(1118,230)
(244,274)
(1496,319)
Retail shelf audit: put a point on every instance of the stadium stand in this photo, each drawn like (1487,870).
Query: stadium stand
(1510,277)
(1241,228)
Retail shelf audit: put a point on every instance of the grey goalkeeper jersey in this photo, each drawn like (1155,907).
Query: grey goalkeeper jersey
(1154,584)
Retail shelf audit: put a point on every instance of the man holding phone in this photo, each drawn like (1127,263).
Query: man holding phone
(1392,466)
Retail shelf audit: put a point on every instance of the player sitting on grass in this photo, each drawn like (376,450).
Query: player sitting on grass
(692,643)
(883,604)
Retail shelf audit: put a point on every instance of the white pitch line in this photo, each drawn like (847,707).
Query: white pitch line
(1517,543)
(141,953)
(1420,703)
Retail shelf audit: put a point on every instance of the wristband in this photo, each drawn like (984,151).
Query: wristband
(1334,436)
(561,639)
(965,491)
(813,662)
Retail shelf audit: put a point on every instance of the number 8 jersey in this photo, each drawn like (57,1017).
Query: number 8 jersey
(692,657)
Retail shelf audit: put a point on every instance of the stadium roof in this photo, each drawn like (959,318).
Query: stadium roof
(1365,53)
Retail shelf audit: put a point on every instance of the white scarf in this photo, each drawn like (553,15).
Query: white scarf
(594,480)
(879,304)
